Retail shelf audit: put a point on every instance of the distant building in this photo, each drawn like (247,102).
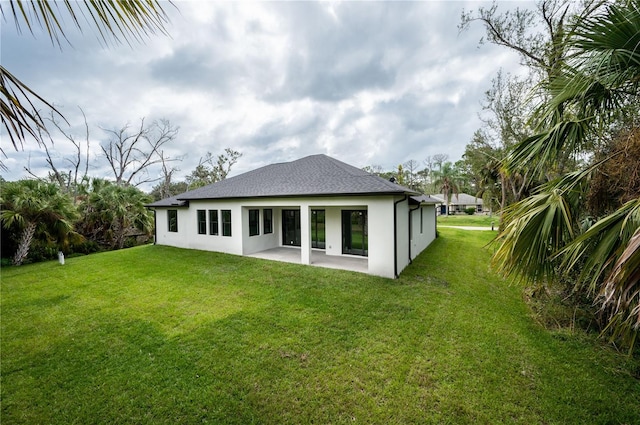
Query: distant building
(459,203)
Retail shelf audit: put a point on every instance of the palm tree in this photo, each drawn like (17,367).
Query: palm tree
(34,207)
(115,21)
(448,181)
(112,214)
(542,236)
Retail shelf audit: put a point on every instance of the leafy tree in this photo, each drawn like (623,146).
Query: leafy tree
(112,214)
(617,180)
(210,170)
(401,175)
(447,180)
(36,209)
(543,236)
(539,37)
(379,171)
(163,190)
(481,158)
(115,21)
(494,181)
(467,182)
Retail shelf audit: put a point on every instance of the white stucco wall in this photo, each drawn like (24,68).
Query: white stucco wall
(402,234)
(187,235)
(381,244)
(333,230)
(163,236)
(419,241)
(262,241)
(380,211)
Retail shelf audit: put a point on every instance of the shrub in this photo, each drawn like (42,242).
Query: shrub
(470,210)
(42,251)
(87,246)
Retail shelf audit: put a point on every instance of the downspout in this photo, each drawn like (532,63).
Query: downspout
(395,235)
(155,227)
(410,229)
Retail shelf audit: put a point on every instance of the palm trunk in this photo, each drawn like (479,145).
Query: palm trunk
(25,243)
(503,201)
(445,193)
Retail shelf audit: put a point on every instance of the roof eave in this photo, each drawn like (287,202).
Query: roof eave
(181,204)
(300,195)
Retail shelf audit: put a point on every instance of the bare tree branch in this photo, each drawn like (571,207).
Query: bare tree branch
(130,154)
(77,160)
(114,21)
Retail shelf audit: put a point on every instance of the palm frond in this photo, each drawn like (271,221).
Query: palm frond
(535,228)
(616,33)
(19,113)
(609,251)
(620,294)
(602,243)
(123,20)
(544,148)
(599,77)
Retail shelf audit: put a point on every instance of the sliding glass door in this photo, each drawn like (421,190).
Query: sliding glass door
(317,229)
(355,232)
(291,227)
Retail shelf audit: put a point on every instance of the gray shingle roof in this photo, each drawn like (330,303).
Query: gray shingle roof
(315,175)
(460,199)
(169,202)
(426,199)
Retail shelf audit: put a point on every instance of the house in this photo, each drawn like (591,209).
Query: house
(317,205)
(459,203)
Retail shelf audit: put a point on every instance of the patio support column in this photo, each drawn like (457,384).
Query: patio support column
(305,234)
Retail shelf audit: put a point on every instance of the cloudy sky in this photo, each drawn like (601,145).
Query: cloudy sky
(369,83)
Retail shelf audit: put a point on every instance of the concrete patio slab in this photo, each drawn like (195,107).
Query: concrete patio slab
(318,258)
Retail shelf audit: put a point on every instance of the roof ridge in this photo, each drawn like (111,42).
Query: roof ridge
(313,175)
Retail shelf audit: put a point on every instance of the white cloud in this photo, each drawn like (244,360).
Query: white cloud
(368,83)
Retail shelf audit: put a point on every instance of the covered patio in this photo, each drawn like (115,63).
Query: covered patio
(292,254)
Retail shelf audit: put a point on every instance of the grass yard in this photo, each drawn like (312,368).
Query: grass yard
(161,335)
(480,220)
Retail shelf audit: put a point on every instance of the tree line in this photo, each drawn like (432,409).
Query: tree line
(560,149)
(435,175)
(74,212)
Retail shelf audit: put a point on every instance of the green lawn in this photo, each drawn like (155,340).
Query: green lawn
(481,220)
(162,335)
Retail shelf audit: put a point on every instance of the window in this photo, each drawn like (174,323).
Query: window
(254,222)
(267,217)
(172,216)
(318,229)
(213,222)
(202,222)
(226,222)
